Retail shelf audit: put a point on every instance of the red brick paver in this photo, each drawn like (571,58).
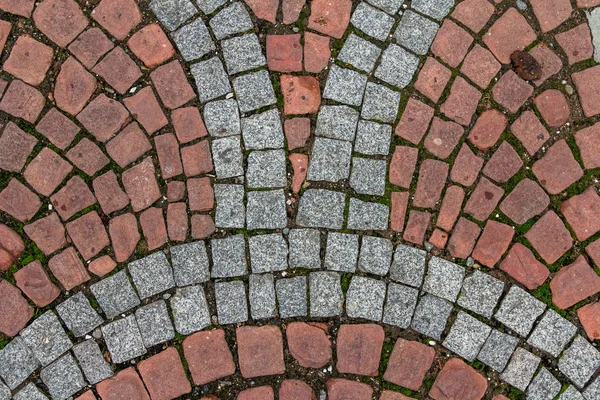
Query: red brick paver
(22,101)
(525,201)
(202,226)
(293,389)
(466,166)
(509,33)
(264,9)
(414,121)
(316,52)
(59,129)
(68,268)
(208,356)
(487,129)
(521,264)
(408,364)
(145,108)
(399,202)
(341,389)
(574,283)
(474,14)
(109,193)
(432,179)
(583,213)
(551,13)
(118,17)
(330,17)
(463,238)
(88,234)
(102,265)
(530,131)
(504,164)
(480,65)
(511,92)
(18,201)
(35,283)
(417,225)
(118,70)
(48,233)
(462,102)
(549,237)
(151,45)
(164,375)
(588,140)
(29,60)
(297,132)
(87,156)
(451,43)
(451,206)
(443,137)
(558,169)
(359,349)
(589,92)
(72,198)
(103,117)
(309,344)
(177,222)
(90,46)
(457,380)
(257,393)
(11,247)
(124,235)
(124,385)
(402,166)
(483,199)
(74,87)
(260,351)
(46,172)
(577,43)
(153,227)
(589,316)
(15,310)
(284,53)
(301,94)
(188,124)
(493,243)
(553,106)
(172,85)
(15,147)
(60,20)
(433,78)
(140,185)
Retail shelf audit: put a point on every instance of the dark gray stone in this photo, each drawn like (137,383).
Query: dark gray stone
(480,293)
(173,13)
(263,131)
(364,215)
(190,263)
(397,66)
(431,316)
(345,86)
(268,253)
(123,340)
(154,323)
(359,53)
(266,210)
(408,266)
(229,257)
(416,32)
(222,118)
(380,103)
(400,305)
(17,362)
(375,255)
(211,79)
(115,294)
(193,40)
(78,314)
(230,211)
(242,53)
(326,296)
(337,122)
(46,338)
(371,21)
(365,298)
(519,310)
(92,362)
(291,295)
(342,252)
(254,90)
(497,350)
(373,138)
(305,248)
(329,160)
(232,306)
(152,274)
(466,336)
(230,20)
(320,208)
(552,333)
(227,157)
(262,296)
(368,176)
(190,310)
(266,169)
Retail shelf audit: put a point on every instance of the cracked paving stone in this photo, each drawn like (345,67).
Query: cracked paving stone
(466,337)
(92,362)
(152,274)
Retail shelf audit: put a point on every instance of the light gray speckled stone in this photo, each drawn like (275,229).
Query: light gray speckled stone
(480,293)
(123,339)
(92,362)
(262,296)
(193,40)
(375,255)
(400,305)
(572,394)
(373,138)
(268,253)
(544,386)
(579,362)
(173,13)
(227,157)
(345,86)
(520,369)
(593,17)
(46,338)
(229,257)
(326,296)
(63,378)
(497,350)
(263,131)
(115,294)
(230,20)
(209,6)
(416,32)
(78,314)
(380,103)
(266,169)
(519,310)
(305,248)
(4,392)
(242,53)
(154,323)
(408,266)
(230,211)
(592,392)
(222,118)
(190,263)
(337,122)
(371,21)
(397,66)
(368,176)
(466,337)
(437,9)
(291,296)
(444,278)
(266,210)
(320,208)
(359,53)
(30,392)
(329,160)
(341,252)
(211,79)
(365,298)
(364,215)
(254,90)
(152,274)
(552,333)
(190,310)
(17,362)
(431,316)
(389,6)
(232,306)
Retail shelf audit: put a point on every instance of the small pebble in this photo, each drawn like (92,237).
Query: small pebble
(569,89)
(97,333)
(470,262)
(521,5)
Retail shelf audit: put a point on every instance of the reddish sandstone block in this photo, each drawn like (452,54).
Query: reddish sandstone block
(145,108)
(451,206)
(294,389)
(316,52)
(466,166)
(208,356)
(124,385)
(34,282)
(525,201)
(140,185)
(511,92)
(402,166)
(15,147)
(574,283)
(493,243)
(103,117)
(432,179)
(483,199)
(73,87)
(57,128)
(197,159)
(129,145)
(549,237)
(588,140)
(550,63)
(297,132)
(291,10)
(177,221)
(88,234)
(451,43)
(171,84)
(558,169)
(443,137)
(458,380)
(487,129)
(175,191)
(109,194)
(462,102)
(202,226)
(87,156)
(589,316)
(480,64)
(15,310)
(11,247)
(474,14)
(72,198)
(462,240)
(48,233)
(118,70)
(153,227)
(284,53)
(389,395)
(397,215)
(414,121)
(257,393)
(509,33)
(330,17)
(46,172)
(29,60)
(188,124)
(164,375)
(90,46)
(264,9)
(68,269)
(553,106)
(359,349)
(18,201)
(151,45)
(340,389)
(124,235)
(577,43)
(5,28)
(504,164)
(417,225)
(521,264)
(408,364)
(101,265)
(583,213)
(260,351)
(551,13)
(300,167)
(433,79)
(169,158)
(438,238)
(60,20)
(88,395)
(118,17)
(301,94)
(530,131)
(589,92)
(200,194)
(22,101)
(22,8)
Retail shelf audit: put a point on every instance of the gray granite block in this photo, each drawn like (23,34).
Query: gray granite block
(254,90)
(152,274)
(242,53)
(572,394)
(552,333)
(193,40)
(262,296)
(368,176)
(466,337)
(4,392)
(375,255)
(397,66)
(497,350)
(266,169)
(190,263)
(232,306)
(268,253)
(337,122)
(79,316)
(365,298)
(592,392)
(579,362)
(520,369)
(480,293)
(230,211)
(400,305)
(229,257)
(437,9)
(359,53)
(227,157)
(29,392)
(211,79)
(321,208)
(222,118)
(46,338)
(444,278)
(266,210)
(431,316)
(263,131)
(291,296)
(544,386)
(154,323)
(326,296)
(408,266)
(341,253)
(115,294)
(389,6)
(17,362)
(305,248)
(364,215)
(329,160)
(380,103)
(345,86)
(190,310)
(519,310)
(209,6)
(123,340)
(373,138)
(416,32)
(173,13)
(92,362)
(371,21)
(231,20)
(63,378)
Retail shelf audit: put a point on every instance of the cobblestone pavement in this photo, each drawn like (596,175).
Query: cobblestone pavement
(254,199)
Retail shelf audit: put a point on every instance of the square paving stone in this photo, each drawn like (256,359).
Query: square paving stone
(154,323)
(229,257)
(365,298)
(232,306)
(368,176)
(320,208)
(173,13)
(397,66)
(17,362)
(305,248)
(519,310)
(371,21)
(400,305)
(193,40)
(231,20)
(190,310)
(380,103)
(222,118)
(552,333)
(389,6)
(480,293)
(466,337)
(92,362)
(262,296)
(227,157)
(211,79)
(209,6)
(341,252)
(263,131)
(242,53)
(373,138)
(63,378)
(268,253)
(230,211)
(79,316)
(326,296)
(46,338)
(30,392)
(266,169)
(497,350)
(266,210)
(520,369)
(254,90)
(437,9)
(579,362)
(375,255)
(345,86)
(359,53)
(291,296)
(572,394)
(4,392)
(123,339)
(444,278)
(151,274)
(408,266)
(337,122)
(364,215)
(431,316)
(592,392)
(190,263)
(543,386)
(329,160)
